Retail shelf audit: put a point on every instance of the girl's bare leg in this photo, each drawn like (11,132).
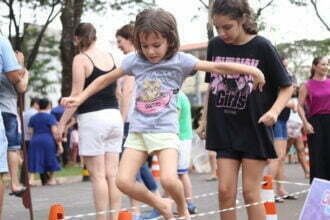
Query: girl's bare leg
(252,173)
(227,186)
(111,168)
(129,166)
(168,159)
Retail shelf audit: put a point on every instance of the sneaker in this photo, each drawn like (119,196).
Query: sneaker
(192,208)
(137,217)
(154,214)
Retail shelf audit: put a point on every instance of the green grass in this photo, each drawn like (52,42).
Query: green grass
(69,171)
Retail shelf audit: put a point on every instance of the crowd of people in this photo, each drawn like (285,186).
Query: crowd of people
(117,116)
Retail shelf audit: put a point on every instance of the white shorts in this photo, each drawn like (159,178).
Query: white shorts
(184,156)
(100,132)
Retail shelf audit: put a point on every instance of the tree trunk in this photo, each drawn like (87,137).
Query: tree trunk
(70,18)
(209,26)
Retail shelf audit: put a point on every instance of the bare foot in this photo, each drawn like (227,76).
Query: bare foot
(51,181)
(307,175)
(184,213)
(166,209)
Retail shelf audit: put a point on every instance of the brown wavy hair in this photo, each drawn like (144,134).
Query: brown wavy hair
(157,21)
(126,32)
(87,34)
(236,9)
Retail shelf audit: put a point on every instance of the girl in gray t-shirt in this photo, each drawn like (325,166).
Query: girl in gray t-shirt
(159,71)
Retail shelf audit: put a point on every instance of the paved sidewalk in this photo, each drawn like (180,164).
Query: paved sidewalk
(77,198)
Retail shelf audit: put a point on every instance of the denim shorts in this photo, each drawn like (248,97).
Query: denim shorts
(280,130)
(11,125)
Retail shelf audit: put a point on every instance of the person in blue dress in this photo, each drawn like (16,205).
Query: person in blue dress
(43,149)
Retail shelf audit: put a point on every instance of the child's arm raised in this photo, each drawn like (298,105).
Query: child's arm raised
(97,85)
(232,68)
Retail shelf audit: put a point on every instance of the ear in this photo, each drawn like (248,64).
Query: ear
(244,19)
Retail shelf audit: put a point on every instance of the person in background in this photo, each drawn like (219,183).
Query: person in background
(99,121)
(276,166)
(295,126)
(74,145)
(13,81)
(185,135)
(201,133)
(315,96)
(43,148)
(27,114)
(58,111)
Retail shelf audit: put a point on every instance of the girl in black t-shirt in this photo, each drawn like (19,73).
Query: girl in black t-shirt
(240,118)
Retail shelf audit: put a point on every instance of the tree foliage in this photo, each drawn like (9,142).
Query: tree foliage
(72,11)
(41,82)
(16,25)
(301,53)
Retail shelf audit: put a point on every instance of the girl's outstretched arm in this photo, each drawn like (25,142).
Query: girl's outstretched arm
(232,68)
(97,85)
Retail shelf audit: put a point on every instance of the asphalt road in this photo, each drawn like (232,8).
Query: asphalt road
(77,199)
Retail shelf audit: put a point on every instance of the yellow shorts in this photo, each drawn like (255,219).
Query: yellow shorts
(151,142)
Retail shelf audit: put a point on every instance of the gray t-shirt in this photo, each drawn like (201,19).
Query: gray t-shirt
(156,88)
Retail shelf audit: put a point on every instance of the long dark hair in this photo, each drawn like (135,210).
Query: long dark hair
(316,61)
(87,34)
(157,21)
(236,9)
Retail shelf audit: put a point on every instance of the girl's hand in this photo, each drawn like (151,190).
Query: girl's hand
(259,80)
(60,148)
(269,118)
(71,101)
(201,131)
(308,128)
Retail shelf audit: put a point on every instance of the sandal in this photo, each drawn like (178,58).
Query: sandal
(278,199)
(290,197)
(211,179)
(18,193)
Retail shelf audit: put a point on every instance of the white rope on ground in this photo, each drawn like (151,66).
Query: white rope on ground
(239,207)
(197,197)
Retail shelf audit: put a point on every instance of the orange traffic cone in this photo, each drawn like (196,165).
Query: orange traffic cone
(155,167)
(269,196)
(56,212)
(125,215)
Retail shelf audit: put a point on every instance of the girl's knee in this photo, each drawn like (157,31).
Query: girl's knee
(168,181)
(123,183)
(227,192)
(251,195)
(97,176)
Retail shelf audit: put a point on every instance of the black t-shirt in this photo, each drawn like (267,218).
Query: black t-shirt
(234,108)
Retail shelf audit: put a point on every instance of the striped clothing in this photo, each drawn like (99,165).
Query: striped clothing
(3,148)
